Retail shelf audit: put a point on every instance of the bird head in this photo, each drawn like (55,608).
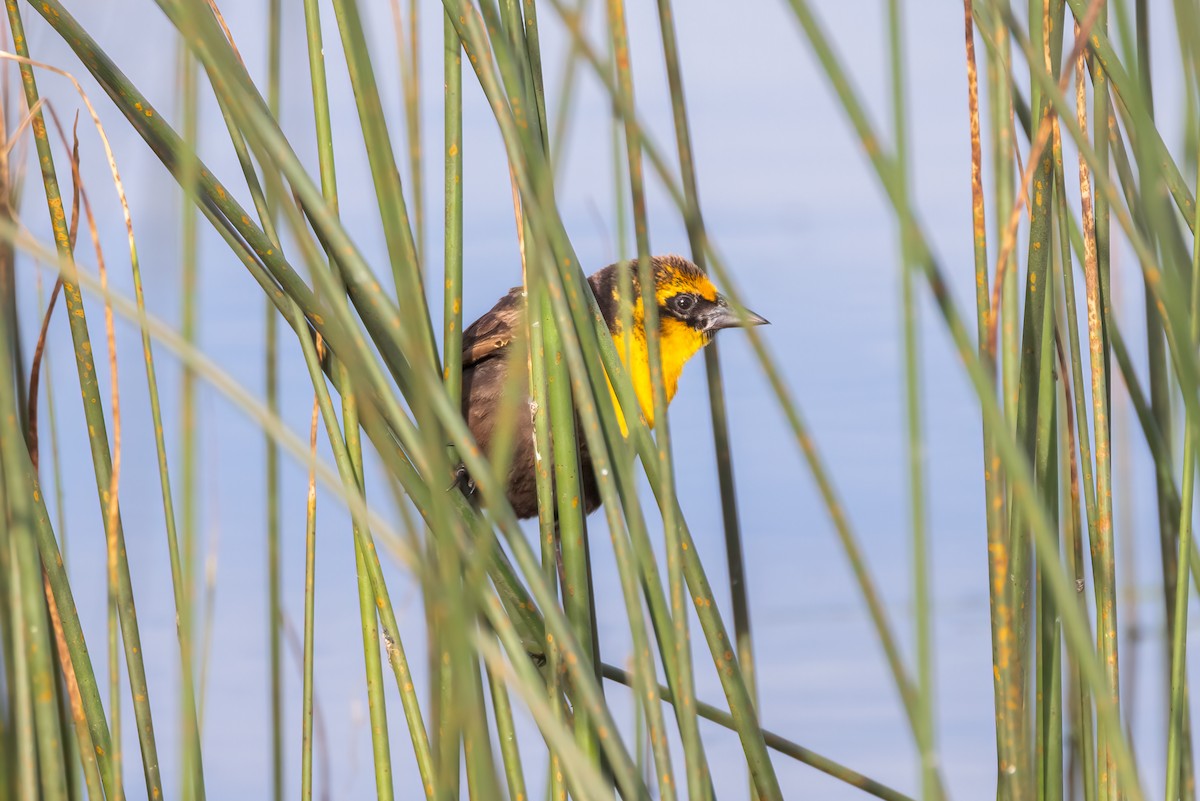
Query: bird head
(690,312)
(687,299)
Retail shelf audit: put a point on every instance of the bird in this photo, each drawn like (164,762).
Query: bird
(690,313)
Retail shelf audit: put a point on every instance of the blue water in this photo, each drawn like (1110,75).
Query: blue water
(794,208)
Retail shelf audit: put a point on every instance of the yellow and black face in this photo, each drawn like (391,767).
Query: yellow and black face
(690,312)
(687,298)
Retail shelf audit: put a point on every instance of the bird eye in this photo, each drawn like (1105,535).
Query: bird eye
(683,303)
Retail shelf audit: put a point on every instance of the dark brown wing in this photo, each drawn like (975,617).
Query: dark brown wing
(492,332)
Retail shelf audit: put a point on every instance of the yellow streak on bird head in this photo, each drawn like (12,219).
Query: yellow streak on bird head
(676,276)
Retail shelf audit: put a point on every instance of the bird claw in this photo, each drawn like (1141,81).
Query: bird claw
(463,481)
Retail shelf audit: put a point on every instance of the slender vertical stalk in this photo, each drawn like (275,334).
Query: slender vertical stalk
(645,684)
(1176,740)
(310,567)
(1046,637)
(924,728)
(402,247)
(374,598)
(1075,629)
(1069,499)
(1082,745)
(97,426)
(712,362)
(1103,564)
(530,44)
(571,527)
(446,730)
(411,72)
(452,310)
(1101,120)
(271,370)
(189,302)
(680,600)
(21,732)
(376,703)
(42,728)
(571,524)
(543,464)
(994,492)
(1045,24)
(507,735)
(188,297)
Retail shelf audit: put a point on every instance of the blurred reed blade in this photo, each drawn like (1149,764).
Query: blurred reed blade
(97,426)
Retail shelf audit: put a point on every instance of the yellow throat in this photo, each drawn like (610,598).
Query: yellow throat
(678,342)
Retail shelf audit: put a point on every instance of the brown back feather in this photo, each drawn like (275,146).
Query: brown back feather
(491,333)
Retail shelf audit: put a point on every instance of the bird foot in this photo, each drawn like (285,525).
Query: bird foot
(462,481)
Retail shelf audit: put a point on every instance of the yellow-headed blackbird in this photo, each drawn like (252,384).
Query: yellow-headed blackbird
(689,312)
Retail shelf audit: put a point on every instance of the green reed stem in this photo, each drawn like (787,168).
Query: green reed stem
(1036,357)
(21,760)
(693,749)
(189,455)
(376,703)
(1176,740)
(447,733)
(775,742)
(368,299)
(577,591)
(507,735)
(271,370)
(714,628)
(379,597)
(1153,439)
(994,493)
(30,604)
(42,725)
(1075,627)
(410,78)
(482,781)
(397,231)
(453,246)
(372,591)
(1170,520)
(924,723)
(320,93)
(547,530)
(1082,740)
(577,594)
(55,575)
(1048,734)
(644,670)
(97,427)
(694,222)
(310,569)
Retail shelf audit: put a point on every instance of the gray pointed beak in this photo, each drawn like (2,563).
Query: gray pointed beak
(725,316)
